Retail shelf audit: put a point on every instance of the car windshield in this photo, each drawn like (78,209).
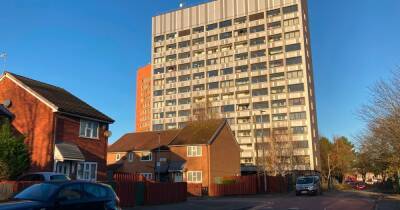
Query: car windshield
(305,180)
(37,192)
(59,178)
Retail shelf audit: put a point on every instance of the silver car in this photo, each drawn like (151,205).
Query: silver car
(308,185)
(43,176)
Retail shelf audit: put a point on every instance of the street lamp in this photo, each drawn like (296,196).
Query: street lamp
(159,156)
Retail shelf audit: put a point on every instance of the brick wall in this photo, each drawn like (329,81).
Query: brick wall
(94,150)
(143,99)
(33,119)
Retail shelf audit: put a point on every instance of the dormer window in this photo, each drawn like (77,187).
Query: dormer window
(89,129)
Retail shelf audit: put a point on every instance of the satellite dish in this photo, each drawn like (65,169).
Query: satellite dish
(7,103)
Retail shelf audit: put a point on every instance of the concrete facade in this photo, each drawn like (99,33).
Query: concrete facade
(248,61)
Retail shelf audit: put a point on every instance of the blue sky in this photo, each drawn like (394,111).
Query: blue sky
(93,48)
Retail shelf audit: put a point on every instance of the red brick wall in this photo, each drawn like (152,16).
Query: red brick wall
(94,150)
(143,99)
(33,119)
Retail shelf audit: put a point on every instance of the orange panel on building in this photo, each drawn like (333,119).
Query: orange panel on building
(143,99)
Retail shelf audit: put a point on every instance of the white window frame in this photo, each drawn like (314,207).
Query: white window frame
(198,175)
(151,156)
(130,156)
(117,157)
(89,129)
(194,151)
(85,170)
(148,176)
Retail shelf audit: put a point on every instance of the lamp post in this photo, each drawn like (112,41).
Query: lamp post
(159,156)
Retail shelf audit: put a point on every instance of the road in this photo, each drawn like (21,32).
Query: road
(329,201)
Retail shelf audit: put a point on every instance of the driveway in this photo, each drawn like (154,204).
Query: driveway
(349,200)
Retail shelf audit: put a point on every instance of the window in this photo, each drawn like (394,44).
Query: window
(225,23)
(290,9)
(279,89)
(227,96)
(228,108)
(292,34)
(295,74)
(212,61)
(198,29)
(291,22)
(277,76)
(212,38)
(226,47)
(279,117)
(171,68)
(212,50)
(184,78)
(198,87)
(240,44)
(184,33)
(274,38)
(158,49)
(226,59)
(171,46)
(95,191)
(117,157)
(227,83)
(184,113)
(157,104)
(274,25)
(184,44)
(294,60)
(296,101)
(297,115)
(242,81)
(212,26)
(278,103)
(299,129)
(198,64)
(256,29)
(213,85)
(71,192)
(158,71)
(227,71)
(259,66)
(257,16)
(184,55)
(239,69)
(258,53)
(170,102)
(198,41)
(240,20)
(159,38)
(170,114)
(240,32)
(262,118)
(158,93)
(148,176)
(292,47)
(198,53)
(194,177)
(184,66)
(171,36)
(170,57)
(87,171)
(241,107)
(213,73)
(158,115)
(145,156)
(275,50)
(276,63)
(296,87)
(194,151)
(274,12)
(257,41)
(225,35)
(260,105)
(182,101)
(159,60)
(300,144)
(241,56)
(158,127)
(260,92)
(89,129)
(130,156)
(199,75)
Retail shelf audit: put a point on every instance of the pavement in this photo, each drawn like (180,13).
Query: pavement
(339,200)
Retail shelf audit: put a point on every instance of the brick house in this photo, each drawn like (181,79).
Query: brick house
(5,114)
(63,133)
(198,153)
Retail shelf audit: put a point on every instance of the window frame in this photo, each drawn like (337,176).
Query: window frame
(150,154)
(194,151)
(92,129)
(199,179)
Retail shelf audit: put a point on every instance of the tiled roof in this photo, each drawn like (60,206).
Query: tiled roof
(142,141)
(194,133)
(65,101)
(199,132)
(69,151)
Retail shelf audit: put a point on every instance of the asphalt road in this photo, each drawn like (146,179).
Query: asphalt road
(327,201)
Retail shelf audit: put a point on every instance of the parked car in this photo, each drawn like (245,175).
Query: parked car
(43,176)
(65,195)
(308,185)
(360,186)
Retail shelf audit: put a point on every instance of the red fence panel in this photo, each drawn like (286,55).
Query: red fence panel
(194,189)
(162,193)
(126,193)
(245,185)
(8,188)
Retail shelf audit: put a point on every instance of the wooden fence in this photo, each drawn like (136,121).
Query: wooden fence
(8,188)
(194,189)
(162,193)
